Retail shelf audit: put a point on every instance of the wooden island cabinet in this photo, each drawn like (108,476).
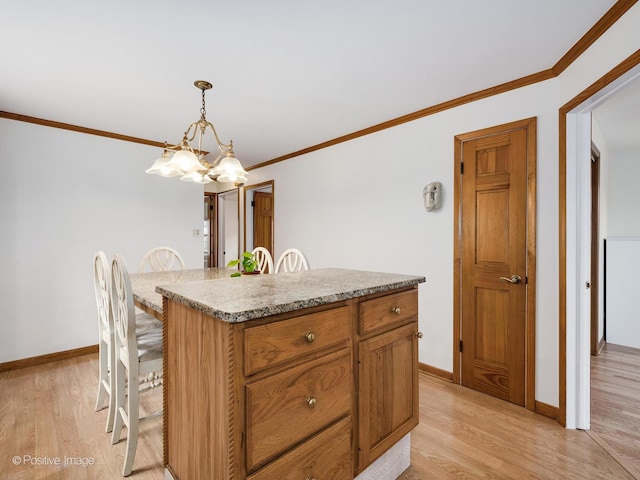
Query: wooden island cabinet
(307,375)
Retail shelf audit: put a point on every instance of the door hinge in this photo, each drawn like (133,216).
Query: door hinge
(460,346)
(461,168)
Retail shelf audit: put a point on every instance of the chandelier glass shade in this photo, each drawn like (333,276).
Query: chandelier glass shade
(190,163)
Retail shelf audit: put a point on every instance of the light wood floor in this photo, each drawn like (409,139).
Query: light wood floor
(46,412)
(615,403)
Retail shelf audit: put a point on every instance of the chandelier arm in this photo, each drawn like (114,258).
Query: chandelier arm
(173,148)
(218,141)
(193,126)
(216,161)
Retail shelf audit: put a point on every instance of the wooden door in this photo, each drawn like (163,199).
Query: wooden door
(263,220)
(493,266)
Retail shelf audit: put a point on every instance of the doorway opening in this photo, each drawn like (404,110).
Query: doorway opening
(210,230)
(228,226)
(259,216)
(575,241)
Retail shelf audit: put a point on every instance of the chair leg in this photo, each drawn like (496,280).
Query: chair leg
(119,403)
(112,391)
(102,376)
(111,414)
(133,414)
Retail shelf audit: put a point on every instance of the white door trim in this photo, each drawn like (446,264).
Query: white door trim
(578,252)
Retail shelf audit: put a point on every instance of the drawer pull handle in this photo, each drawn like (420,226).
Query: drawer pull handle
(310,337)
(396,310)
(309,478)
(311,402)
(419,335)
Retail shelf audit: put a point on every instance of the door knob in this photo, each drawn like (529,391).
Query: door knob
(515,279)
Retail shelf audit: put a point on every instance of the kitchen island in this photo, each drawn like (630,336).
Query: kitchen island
(306,375)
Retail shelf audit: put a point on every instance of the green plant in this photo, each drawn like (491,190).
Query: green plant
(248,262)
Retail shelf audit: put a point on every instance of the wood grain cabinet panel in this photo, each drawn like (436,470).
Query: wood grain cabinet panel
(274,343)
(326,456)
(289,406)
(386,312)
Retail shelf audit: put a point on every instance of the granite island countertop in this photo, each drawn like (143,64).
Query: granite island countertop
(256,296)
(144,284)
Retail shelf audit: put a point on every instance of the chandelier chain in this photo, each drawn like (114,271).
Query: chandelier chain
(203,112)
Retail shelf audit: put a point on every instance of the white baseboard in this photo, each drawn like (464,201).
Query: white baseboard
(392,462)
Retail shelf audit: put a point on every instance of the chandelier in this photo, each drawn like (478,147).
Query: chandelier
(190,164)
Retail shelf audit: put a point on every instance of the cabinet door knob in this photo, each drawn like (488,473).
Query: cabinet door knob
(396,310)
(311,402)
(310,337)
(419,335)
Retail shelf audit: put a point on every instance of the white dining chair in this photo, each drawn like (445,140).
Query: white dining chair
(102,286)
(161,259)
(291,260)
(144,321)
(137,354)
(264,259)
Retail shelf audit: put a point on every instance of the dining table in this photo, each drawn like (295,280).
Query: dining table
(143,285)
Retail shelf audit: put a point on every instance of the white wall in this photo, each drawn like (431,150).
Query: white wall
(623,196)
(64,195)
(623,302)
(368,213)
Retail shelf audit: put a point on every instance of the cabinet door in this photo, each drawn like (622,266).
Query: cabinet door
(388,391)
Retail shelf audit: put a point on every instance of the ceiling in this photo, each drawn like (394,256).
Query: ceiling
(287,74)
(619,118)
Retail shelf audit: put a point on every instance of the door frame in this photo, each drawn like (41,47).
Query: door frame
(530,312)
(574,205)
(268,186)
(222,222)
(596,251)
(212,199)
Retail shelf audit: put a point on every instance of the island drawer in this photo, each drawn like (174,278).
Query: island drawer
(288,407)
(386,312)
(326,456)
(274,343)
